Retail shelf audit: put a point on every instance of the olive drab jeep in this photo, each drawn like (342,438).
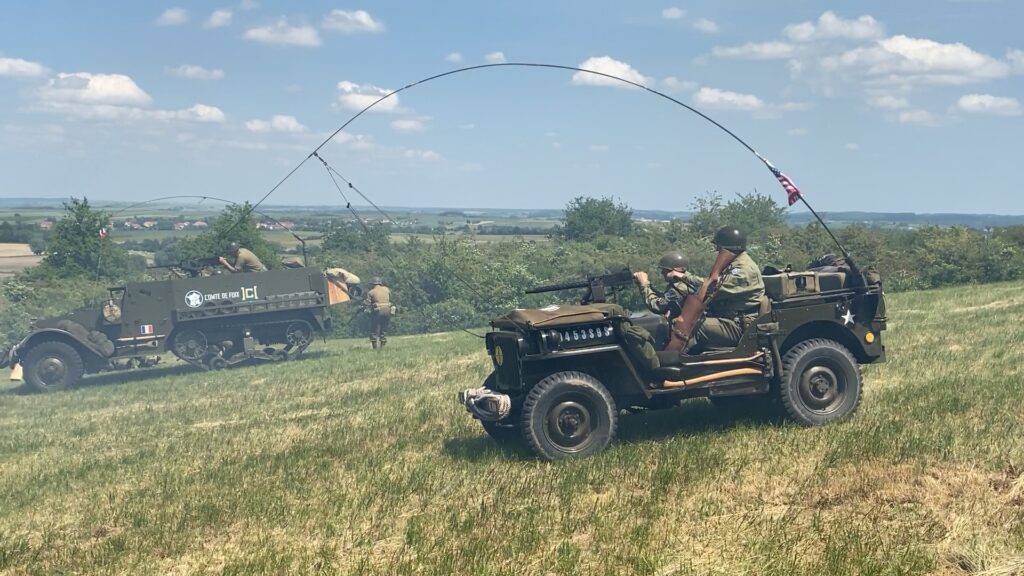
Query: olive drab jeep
(563,373)
(208,321)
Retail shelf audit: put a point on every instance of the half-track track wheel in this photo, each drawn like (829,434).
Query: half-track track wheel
(298,334)
(190,345)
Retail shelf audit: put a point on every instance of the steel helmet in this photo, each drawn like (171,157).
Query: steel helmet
(674,261)
(731,238)
(233,248)
(376,281)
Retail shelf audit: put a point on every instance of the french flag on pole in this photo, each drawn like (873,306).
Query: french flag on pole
(146,329)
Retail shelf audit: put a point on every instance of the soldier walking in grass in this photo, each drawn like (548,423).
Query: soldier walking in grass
(378,304)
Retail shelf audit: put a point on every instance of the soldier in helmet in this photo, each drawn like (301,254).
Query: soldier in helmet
(680,282)
(737,301)
(378,304)
(245,260)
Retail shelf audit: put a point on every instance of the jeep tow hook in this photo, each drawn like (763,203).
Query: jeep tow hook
(485,404)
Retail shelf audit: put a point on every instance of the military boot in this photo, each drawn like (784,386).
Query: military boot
(383,342)
(373,344)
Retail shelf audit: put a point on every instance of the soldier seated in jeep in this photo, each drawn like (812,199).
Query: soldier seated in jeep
(737,301)
(674,270)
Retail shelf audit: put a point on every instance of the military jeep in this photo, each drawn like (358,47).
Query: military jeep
(562,374)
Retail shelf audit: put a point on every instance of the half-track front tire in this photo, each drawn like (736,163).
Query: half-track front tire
(53,366)
(568,415)
(820,383)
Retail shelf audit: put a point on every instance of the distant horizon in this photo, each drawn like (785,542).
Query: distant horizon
(11,204)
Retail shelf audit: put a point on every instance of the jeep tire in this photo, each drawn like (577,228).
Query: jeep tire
(51,366)
(820,382)
(568,415)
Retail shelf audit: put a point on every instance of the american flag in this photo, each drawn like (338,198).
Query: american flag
(791,189)
(104,233)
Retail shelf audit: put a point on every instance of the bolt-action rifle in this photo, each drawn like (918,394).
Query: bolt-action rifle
(695,305)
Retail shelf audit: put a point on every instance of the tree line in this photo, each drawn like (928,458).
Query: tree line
(453,281)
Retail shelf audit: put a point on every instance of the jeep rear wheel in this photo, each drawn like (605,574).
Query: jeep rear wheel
(53,366)
(820,382)
(568,415)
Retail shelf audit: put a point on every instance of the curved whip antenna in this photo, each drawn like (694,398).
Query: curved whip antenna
(791,190)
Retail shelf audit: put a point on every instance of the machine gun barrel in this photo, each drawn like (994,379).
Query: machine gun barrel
(556,287)
(596,285)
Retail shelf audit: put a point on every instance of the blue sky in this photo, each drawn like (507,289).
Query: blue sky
(879,106)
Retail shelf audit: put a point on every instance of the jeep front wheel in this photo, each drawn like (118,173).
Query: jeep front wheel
(820,382)
(568,415)
(53,366)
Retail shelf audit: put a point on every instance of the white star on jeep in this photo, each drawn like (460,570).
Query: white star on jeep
(847,318)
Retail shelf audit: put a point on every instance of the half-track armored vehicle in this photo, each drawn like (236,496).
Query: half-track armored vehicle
(210,321)
(563,373)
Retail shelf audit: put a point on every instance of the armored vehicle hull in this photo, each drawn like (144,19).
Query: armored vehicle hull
(208,321)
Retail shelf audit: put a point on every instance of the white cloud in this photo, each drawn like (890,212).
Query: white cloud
(358,96)
(277,123)
(173,17)
(407,125)
(705,25)
(218,19)
(248,5)
(197,113)
(1016,59)
(598,148)
(920,117)
(988,104)
(725,100)
(429,155)
(755,51)
(495,58)
(454,57)
(797,132)
(351,22)
(86,88)
(607,65)
(673,13)
(830,26)
(904,59)
(673,84)
(284,34)
(852,146)
(888,102)
(19,67)
(197,72)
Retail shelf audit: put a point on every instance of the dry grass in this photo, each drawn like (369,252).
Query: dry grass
(16,257)
(356,462)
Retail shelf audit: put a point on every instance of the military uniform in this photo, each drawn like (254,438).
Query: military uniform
(246,261)
(737,301)
(676,290)
(378,303)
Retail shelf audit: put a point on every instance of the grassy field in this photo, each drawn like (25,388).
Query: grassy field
(356,462)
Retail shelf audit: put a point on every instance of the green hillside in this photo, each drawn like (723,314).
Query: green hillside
(355,462)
